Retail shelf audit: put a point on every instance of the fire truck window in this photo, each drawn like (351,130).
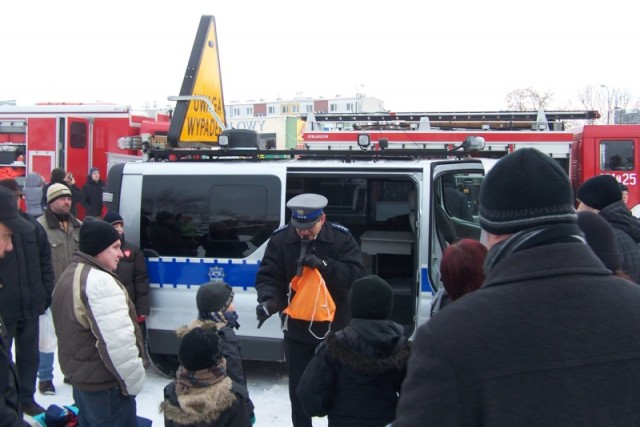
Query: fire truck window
(78,137)
(208,216)
(616,155)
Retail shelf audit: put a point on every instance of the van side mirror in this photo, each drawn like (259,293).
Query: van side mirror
(473,143)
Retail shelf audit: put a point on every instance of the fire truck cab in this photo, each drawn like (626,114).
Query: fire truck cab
(611,150)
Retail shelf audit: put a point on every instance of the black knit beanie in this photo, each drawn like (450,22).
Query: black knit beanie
(600,239)
(213,297)
(600,191)
(371,298)
(200,349)
(525,189)
(113,217)
(96,236)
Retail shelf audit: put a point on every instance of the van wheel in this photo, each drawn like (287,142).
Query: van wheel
(166,363)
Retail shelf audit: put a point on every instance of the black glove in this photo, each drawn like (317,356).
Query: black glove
(314,261)
(262,312)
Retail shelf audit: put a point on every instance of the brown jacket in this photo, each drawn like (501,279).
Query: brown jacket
(99,341)
(63,242)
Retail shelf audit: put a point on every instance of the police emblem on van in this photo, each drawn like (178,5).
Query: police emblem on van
(216,274)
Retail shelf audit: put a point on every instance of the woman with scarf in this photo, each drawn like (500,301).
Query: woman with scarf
(203,395)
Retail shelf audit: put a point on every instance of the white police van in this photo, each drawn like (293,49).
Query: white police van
(207,215)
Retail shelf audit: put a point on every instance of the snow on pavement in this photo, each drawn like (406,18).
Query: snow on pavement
(267,388)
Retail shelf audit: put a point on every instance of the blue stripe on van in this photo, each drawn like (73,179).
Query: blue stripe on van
(174,272)
(425,282)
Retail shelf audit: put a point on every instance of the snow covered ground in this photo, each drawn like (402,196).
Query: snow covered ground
(267,387)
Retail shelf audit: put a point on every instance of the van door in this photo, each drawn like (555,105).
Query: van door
(451,204)
(379,207)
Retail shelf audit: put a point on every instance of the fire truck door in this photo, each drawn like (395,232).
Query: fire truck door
(78,148)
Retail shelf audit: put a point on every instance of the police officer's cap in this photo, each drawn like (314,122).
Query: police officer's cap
(306,209)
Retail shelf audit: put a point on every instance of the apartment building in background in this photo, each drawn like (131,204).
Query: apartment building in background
(280,119)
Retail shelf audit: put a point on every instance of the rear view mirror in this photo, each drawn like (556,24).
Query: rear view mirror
(473,143)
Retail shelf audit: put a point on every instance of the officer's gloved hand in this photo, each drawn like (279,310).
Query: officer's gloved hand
(314,261)
(262,312)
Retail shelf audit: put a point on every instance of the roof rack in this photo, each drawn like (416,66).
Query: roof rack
(488,120)
(347,156)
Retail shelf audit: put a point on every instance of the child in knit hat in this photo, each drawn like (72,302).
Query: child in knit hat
(203,395)
(217,312)
(355,376)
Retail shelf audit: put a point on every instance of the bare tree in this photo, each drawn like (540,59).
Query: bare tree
(589,98)
(604,99)
(615,104)
(528,99)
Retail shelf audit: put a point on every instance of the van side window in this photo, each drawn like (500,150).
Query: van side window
(460,196)
(456,207)
(208,216)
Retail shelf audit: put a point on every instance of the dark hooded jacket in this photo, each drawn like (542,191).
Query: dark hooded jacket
(224,404)
(26,275)
(626,229)
(92,197)
(132,272)
(356,374)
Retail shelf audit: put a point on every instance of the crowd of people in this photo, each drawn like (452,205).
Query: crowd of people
(534,325)
(97,311)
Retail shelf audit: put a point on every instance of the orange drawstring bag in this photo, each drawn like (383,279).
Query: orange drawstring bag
(312,301)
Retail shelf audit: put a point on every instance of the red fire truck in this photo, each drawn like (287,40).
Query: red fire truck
(584,149)
(74,137)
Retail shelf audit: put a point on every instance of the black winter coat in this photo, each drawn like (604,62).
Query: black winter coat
(626,229)
(337,247)
(9,411)
(356,374)
(26,275)
(92,197)
(550,339)
(223,404)
(132,272)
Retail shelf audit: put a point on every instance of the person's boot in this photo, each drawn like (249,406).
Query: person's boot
(31,408)
(46,388)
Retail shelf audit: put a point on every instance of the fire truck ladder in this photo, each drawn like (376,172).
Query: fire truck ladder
(489,120)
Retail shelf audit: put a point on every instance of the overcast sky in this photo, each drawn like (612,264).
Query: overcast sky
(415,56)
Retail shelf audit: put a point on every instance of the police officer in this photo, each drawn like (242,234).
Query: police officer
(307,240)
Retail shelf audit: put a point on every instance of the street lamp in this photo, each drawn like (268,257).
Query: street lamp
(608,102)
